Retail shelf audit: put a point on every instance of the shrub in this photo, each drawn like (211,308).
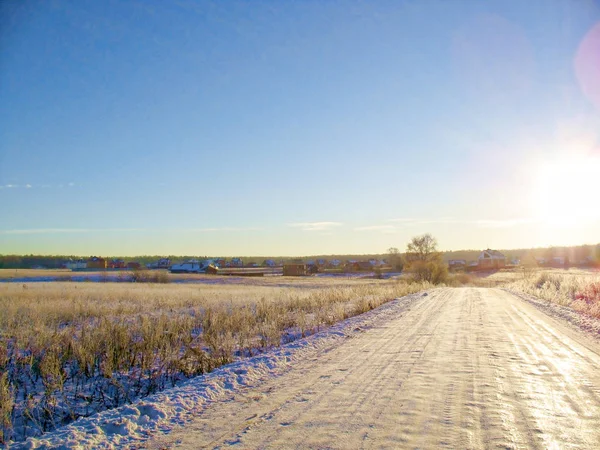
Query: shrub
(579,291)
(149,276)
(590,294)
(162,277)
(547,280)
(434,272)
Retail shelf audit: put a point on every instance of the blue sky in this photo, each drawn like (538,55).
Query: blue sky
(287,128)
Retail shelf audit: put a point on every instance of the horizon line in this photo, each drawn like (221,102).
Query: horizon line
(291,256)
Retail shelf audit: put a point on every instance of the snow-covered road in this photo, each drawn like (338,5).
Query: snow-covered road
(459,368)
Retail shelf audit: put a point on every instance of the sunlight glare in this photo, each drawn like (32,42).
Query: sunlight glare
(567,192)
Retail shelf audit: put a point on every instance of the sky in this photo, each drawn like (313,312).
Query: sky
(297,128)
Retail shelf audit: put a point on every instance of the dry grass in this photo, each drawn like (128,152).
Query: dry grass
(22,273)
(71,349)
(502,277)
(575,288)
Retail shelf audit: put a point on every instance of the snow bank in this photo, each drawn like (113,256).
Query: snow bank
(131,424)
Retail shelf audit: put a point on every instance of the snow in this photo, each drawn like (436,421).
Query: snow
(125,277)
(131,424)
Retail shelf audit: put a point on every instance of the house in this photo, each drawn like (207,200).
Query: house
(236,262)
(191,266)
(491,259)
(358,266)
(588,261)
(321,262)
(134,265)
(457,264)
(312,268)
(335,263)
(294,269)
(95,262)
(163,263)
(558,260)
(269,263)
(76,265)
(116,264)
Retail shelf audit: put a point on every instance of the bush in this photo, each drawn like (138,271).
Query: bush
(148,276)
(434,272)
(549,281)
(590,294)
(162,277)
(581,293)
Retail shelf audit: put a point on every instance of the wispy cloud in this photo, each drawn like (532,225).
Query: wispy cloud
(412,221)
(119,230)
(382,228)
(67,230)
(482,223)
(404,220)
(213,229)
(34,186)
(315,226)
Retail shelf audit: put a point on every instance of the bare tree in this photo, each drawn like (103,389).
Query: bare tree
(422,248)
(395,258)
(424,261)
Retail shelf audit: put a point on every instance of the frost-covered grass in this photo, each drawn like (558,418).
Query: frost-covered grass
(577,289)
(20,273)
(69,350)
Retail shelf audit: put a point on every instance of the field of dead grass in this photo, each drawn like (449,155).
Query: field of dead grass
(69,349)
(6,274)
(575,288)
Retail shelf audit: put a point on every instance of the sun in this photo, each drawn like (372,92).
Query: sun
(567,192)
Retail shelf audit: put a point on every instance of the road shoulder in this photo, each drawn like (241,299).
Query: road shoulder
(579,325)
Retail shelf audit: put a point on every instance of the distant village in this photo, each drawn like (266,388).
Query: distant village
(458,261)
(235,266)
(488,259)
(493,259)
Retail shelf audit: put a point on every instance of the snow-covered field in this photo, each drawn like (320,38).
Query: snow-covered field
(127,277)
(71,350)
(130,425)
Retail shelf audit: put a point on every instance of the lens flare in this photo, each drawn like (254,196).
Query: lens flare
(587,65)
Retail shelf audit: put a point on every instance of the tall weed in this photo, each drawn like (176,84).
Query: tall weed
(68,350)
(578,290)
